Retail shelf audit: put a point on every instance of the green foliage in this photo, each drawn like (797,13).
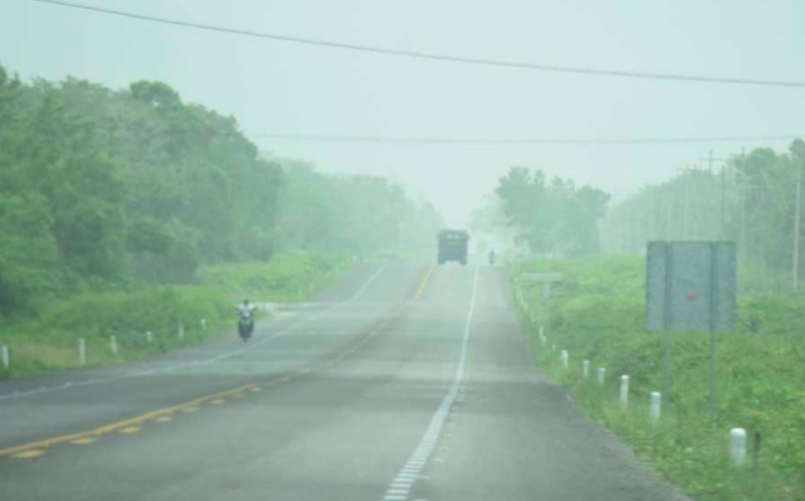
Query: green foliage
(750,201)
(110,188)
(357,215)
(286,278)
(49,341)
(551,216)
(597,313)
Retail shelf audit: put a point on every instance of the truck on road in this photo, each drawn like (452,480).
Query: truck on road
(453,245)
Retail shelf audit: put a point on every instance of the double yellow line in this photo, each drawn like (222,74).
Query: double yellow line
(423,283)
(118,425)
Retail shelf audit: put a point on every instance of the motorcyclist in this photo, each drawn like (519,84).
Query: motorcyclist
(245,319)
(492,257)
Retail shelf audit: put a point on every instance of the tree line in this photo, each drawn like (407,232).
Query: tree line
(106,188)
(750,200)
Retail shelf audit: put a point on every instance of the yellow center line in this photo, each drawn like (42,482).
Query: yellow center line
(29,454)
(130,430)
(83,441)
(423,283)
(190,406)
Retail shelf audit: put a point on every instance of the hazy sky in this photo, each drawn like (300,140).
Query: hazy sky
(277,87)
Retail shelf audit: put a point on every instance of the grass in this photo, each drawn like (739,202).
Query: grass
(286,278)
(50,340)
(598,314)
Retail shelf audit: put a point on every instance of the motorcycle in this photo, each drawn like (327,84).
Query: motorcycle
(491,259)
(245,325)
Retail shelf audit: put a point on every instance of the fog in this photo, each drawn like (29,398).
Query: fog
(274,87)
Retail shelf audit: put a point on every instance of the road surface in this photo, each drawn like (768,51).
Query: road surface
(400,383)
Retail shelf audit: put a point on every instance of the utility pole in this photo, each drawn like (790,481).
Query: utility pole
(797,210)
(686,204)
(723,219)
(742,194)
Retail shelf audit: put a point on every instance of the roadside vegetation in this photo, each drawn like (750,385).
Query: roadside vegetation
(125,211)
(175,315)
(597,313)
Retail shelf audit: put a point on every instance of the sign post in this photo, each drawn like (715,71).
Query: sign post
(546,279)
(690,286)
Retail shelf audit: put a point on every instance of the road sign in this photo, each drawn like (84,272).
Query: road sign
(690,286)
(542,277)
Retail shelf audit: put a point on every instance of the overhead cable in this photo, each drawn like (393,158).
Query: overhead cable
(433,55)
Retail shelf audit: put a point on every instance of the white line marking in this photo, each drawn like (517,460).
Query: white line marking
(425,448)
(368,283)
(195,363)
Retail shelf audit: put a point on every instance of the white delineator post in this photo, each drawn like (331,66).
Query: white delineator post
(82,351)
(148,337)
(602,375)
(738,446)
(564,358)
(181,331)
(204,324)
(624,395)
(5,356)
(113,345)
(585,369)
(654,407)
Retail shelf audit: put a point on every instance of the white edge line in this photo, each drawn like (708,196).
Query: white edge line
(425,448)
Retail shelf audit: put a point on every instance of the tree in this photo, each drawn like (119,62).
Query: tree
(553,216)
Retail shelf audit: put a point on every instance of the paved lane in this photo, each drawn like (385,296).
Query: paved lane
(391,387)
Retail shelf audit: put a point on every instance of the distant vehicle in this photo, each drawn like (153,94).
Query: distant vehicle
(453,246)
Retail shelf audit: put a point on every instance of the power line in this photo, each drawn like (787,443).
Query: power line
(432,55)
(517,142)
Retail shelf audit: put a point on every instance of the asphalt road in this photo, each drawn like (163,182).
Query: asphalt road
(400,383)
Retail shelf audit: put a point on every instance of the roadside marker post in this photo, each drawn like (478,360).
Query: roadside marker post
(82,351)
(6,357)
(602,375)
(654,407)
(564,357)
(624,393)
(181,331)
(204,324)
(149,338)
(585,369)
(738,446)
(113,345)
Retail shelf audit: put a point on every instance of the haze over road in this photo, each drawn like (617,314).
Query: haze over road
(401,382)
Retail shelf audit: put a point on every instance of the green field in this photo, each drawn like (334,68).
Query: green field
(597,313)
(49,340)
